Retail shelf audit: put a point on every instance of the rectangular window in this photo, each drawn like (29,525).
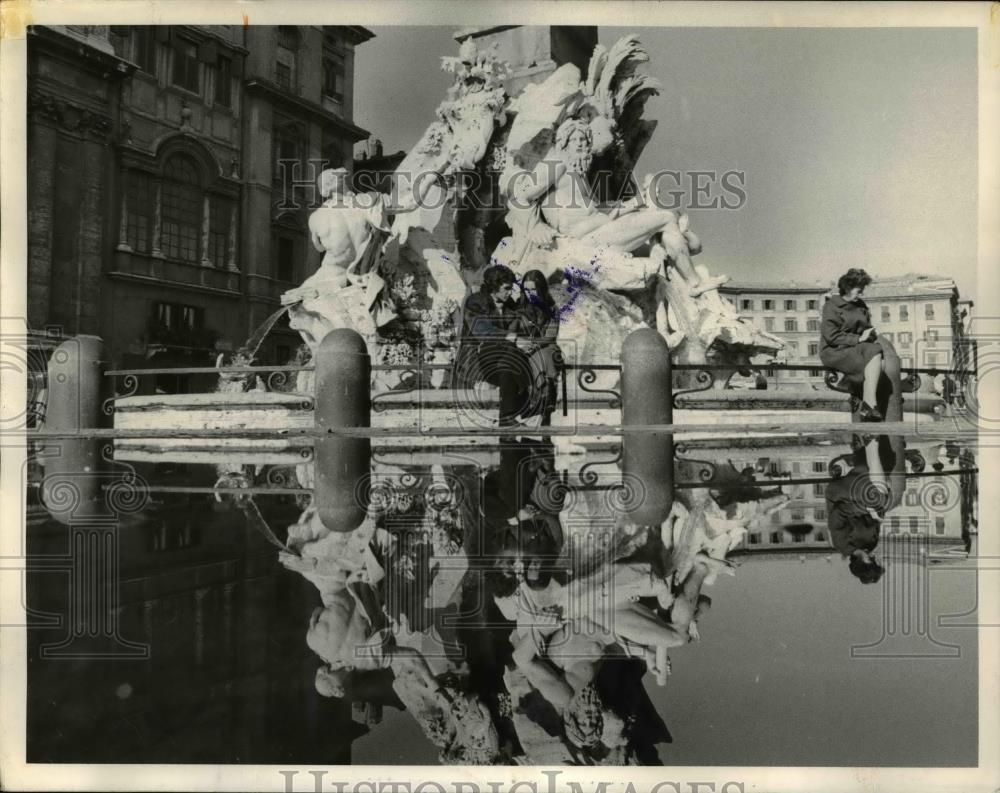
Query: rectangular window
(181,226)
(288,37)
(288,154)
(186,65)
(819,488)
(814,348)
(928,311)
(755,539)
(906,338)
(769,305)
(224,82)
(904,314)
(178,317)
(932,358)
(139,207)
(797,514)
(906,361)
(812,305)
(283,76)
(798,538)
(775,537)
(791,324)
(286,259)
(819,467)
(791,305)
(819,514)
(812,325)
(144,48)
(768,323)
(931,336)
(815,373)
(911,498)
(885,314)
(820,536)
(220,213)
(333,78)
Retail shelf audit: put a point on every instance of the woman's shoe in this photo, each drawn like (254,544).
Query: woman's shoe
(869,413)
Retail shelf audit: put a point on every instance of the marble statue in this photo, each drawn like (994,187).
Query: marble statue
(561,125)
(348,230)
(614,266)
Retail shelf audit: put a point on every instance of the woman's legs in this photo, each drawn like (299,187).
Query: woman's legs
(873,371)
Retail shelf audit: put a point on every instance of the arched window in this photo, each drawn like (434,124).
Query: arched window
(182,209)
(179,211)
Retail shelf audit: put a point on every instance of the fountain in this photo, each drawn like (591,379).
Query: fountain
(399,527)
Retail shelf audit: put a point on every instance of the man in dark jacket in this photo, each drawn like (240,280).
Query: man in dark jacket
(488,350)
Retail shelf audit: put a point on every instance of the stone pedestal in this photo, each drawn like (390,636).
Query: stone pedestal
(534,52)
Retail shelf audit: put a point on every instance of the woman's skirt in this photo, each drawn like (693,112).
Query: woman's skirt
(850,360)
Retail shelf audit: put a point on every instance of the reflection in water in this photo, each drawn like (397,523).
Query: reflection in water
(505,603)
(856,504)
(499,602)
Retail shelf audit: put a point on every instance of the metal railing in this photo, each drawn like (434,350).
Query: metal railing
(415,376)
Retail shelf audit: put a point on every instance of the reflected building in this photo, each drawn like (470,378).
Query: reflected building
(931,506)
(224,677)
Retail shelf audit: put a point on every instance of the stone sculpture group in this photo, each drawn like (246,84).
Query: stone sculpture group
(539,163)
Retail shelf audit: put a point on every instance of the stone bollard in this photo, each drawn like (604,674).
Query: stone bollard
(647,398)
(342,400)
(72,486)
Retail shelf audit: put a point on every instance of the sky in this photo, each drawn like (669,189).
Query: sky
(859,146)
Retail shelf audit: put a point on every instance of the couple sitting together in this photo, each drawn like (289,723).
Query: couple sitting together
(512,344)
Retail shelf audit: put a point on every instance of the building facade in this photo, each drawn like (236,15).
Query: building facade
(922,315)
(171,170)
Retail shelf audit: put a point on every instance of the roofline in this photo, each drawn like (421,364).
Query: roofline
(357,33)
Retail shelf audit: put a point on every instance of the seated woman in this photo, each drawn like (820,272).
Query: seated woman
(537,327)
(856,504)
(848,340)
(487,351)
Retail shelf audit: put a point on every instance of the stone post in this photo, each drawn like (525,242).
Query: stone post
(72,484)
(648,457)
(343,400)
